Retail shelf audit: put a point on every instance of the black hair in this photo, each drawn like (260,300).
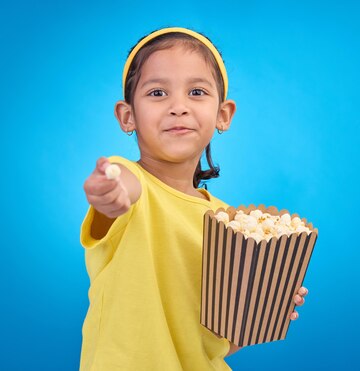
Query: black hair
(200,176)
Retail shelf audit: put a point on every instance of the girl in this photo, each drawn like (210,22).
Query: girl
(143,231)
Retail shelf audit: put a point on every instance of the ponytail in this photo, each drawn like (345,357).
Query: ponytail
(200,175)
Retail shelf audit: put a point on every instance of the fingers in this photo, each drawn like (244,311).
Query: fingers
(99,182)
(299,300)
(105,191)
(118,205)
(303,291)
(97,185)
(113,203)
(108,194)
(101,164)
(294,315)
(299,297)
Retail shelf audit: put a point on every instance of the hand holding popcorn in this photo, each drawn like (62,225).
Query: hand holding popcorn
(105,190)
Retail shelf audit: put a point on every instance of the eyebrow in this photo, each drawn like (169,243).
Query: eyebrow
(192,80)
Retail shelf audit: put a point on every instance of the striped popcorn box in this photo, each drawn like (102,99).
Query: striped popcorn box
(248,286)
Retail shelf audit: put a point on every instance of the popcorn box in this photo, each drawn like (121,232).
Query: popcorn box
(248,287)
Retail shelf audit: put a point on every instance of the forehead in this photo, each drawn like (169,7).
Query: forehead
(177,60)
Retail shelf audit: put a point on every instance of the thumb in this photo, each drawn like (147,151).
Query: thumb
(101,164)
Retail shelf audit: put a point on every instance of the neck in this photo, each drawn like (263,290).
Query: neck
(176,175)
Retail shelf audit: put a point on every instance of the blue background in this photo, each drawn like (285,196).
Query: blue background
(294,73)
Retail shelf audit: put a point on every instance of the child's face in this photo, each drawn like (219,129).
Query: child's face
(176,105)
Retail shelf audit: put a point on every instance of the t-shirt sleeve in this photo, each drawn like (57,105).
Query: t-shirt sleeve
(86,238)
(99,252)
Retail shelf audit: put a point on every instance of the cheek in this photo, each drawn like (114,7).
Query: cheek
(213,110)
(140,115)
(211,116)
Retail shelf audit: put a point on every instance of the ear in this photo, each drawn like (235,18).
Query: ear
(226,112)
(123,113)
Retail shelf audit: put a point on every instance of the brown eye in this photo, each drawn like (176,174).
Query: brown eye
(197,92)
(157,93)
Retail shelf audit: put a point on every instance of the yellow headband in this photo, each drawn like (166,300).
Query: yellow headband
(194,34)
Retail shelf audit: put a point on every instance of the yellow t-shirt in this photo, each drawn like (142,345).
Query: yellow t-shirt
(145,274)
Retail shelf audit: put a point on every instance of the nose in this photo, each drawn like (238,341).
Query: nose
(178,107)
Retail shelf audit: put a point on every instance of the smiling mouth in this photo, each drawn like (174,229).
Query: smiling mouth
(179,130)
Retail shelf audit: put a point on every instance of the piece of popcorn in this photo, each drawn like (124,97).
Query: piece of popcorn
(259,230)
(296,222)
(285,219)
(302,228)
(240,217)
(251,223)
(268,225)
(275,218)
(112,171)
(281,230)
(256,213)
(222,216)
(235,225)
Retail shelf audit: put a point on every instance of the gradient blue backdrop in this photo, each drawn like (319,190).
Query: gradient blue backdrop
(294,73)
